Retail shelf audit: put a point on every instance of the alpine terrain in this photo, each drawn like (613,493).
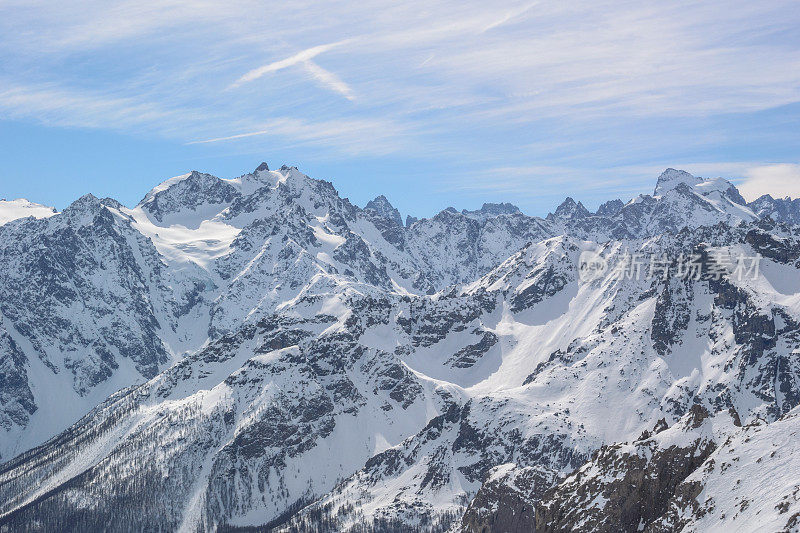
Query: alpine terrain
(258,353)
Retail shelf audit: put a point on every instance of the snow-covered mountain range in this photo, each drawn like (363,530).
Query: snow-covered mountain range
(258,352)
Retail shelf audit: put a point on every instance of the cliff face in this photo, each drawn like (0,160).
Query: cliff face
(506,500)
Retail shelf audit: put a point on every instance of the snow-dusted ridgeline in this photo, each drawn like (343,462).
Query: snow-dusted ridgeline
(286,358)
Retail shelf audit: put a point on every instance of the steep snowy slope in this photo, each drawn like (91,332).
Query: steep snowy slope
(581,365)
(289,359)
(702,474)
(126,291)
(749,483)
(79,308)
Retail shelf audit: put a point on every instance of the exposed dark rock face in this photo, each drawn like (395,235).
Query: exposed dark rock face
(672,314)
(766,240)
(16,398)
(355,253)
(470,354)
(624,487)
(429,322)
(546,282)
(195,190)
(89,259)
(783,210)
(569,210)
(388,221)
(505,502)
(381,207)
(610,208)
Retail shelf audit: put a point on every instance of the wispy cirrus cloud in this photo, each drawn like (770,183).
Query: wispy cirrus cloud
(329,79)
(303,57)
(346,135)
(476,82)
(58,106)
(509,16)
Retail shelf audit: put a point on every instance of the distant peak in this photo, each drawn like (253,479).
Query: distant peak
(491,210)
(172,199)
(610,208)
(764,198)
(504,207)
(380,200)
(382,207)
(569,210)
(263,167)
(90,200)
(89,204)
(22,208)
(87,198)
(447,213)
(672,179)
(24,203)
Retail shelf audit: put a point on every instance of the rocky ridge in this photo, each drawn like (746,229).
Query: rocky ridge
(286,359)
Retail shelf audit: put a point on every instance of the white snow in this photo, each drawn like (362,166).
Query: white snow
(579,362)
(21,208)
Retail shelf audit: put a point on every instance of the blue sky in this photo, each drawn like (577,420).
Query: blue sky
(431,104)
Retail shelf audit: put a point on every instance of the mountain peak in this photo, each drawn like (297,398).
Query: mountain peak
(491,210)
(86,199)
(382,207)
(379,202)
(263,167)
(610,208)
(187,192)
(88,206)
(672,178)
(569,210)
(778,209)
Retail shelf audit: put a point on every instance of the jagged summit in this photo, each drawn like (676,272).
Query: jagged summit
(783,209)
(447,214)
(263,167)
(610,208)
(382,207)
(187,197)
(490,210)
(89,204)
(569,210)
(672,178)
